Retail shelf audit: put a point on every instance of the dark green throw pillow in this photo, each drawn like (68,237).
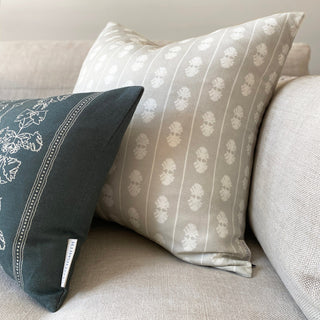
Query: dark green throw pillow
(55,154)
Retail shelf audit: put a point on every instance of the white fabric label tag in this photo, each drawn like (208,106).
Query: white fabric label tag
(71,249)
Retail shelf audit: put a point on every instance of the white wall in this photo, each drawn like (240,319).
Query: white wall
(158,19)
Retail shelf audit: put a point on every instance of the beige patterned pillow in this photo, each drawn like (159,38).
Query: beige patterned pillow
(183,171)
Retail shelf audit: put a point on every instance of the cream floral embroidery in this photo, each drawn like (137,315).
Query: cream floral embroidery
(238,33)
(135,180)
(140,150)
(195,200)
(260,56)
(168,169)
(175,132)
(134,218)
(230,154)
(159,76)
(228,60)
(270,25)
(237,117)
(226,185)
(162,206)
(246,87)
(194,67)
(191,237)
(149,110)
(201,164)
(13,140)
(215,92)
(222,228)
(205,44)
(182,100)
(173,52)
(208,123)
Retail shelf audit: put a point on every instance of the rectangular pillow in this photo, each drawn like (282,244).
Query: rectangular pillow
(182,174)
(48,148)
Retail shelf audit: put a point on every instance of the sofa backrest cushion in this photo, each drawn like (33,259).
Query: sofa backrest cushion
(37,69)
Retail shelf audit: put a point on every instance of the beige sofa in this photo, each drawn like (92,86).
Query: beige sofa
(121,275)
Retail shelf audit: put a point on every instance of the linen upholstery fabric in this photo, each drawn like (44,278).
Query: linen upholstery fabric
(284,203)
(25,65)
(143,281)
(49,147)
(182,173)
(37,69)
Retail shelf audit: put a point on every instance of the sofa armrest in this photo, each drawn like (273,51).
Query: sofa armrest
(284,206)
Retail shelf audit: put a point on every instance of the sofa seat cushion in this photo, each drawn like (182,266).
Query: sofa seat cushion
(121,275)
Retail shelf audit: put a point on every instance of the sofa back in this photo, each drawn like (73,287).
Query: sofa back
(34,69)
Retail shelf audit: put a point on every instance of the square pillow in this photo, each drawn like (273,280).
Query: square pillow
(54,156)
(183,171)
